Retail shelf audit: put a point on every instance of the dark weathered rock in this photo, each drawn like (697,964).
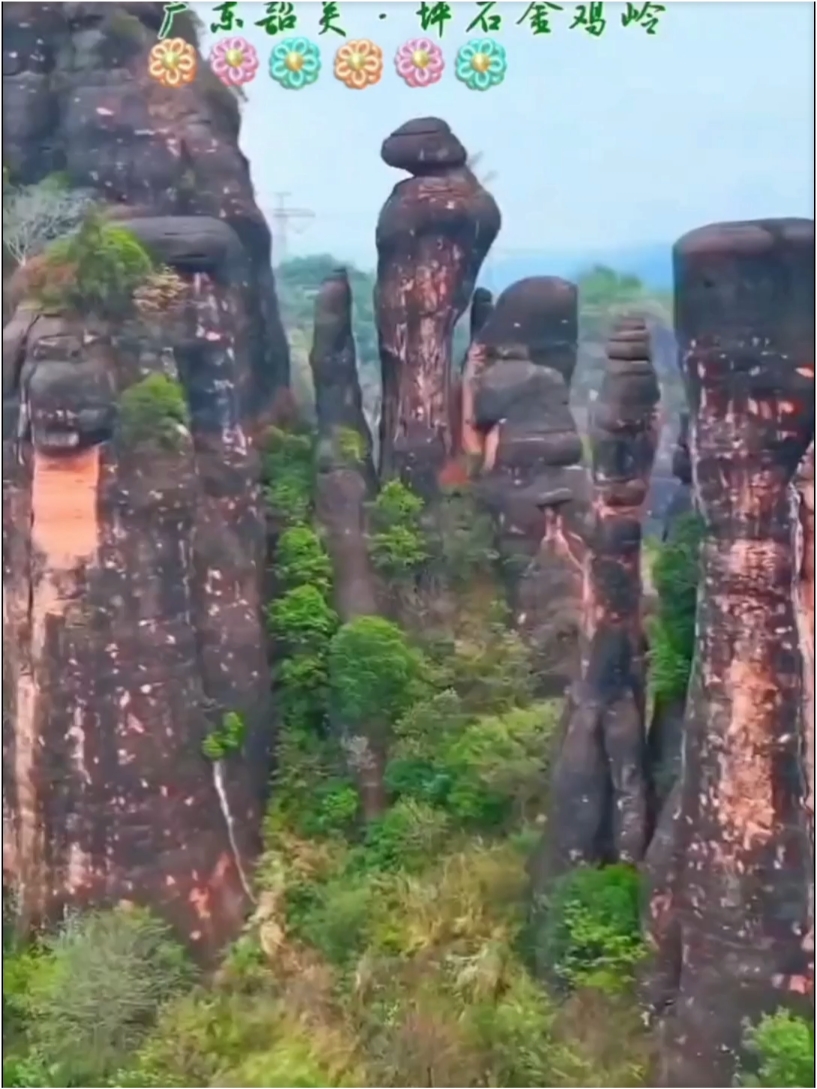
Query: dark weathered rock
(731,867)
(132,568)
(78,98)
(482,305)
(682,498)
(599,782)
(433,234)
(345,472)
(542,313)
(517,426)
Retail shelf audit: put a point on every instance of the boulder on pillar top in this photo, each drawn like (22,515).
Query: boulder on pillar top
(433,234)
(540,312)
(425,145)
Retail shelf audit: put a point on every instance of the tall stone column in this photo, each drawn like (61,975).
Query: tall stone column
(731,867)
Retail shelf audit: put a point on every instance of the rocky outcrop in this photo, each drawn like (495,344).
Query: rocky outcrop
(133,529)
(600,792)
(731,867)
(433,234)
(77,98)
(518,427)
(345,473)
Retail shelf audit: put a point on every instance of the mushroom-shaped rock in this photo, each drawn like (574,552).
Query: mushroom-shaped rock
(599,787)
(731,868)
(433,234)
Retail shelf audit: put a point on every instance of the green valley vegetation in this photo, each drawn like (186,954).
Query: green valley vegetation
(390,946)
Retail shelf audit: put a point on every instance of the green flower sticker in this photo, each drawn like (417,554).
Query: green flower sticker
(295,63)
(481,63)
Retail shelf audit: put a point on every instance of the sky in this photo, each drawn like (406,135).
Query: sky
(610,141)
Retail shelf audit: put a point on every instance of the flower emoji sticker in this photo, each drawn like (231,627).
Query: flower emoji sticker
(295,63)
(481,63)
(359,64)
(234,61)
(173,62)
(419,62)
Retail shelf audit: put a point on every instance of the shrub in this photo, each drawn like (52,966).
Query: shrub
(226,738)
(672,631)
(300,559)
(591,930)
(154,411)
(373,673)
(99,988)
(405,837)
(784,1047)
(465,540)
(287,474)
(34,215)
(397,544)
(303,620)
(107,264)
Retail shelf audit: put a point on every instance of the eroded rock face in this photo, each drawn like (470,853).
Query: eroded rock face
(731,868)
(518,428)
(600,791)
(345,478)
(433,234)
(133,561)
(78,98)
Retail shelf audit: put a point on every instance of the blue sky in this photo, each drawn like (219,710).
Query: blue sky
(594,142)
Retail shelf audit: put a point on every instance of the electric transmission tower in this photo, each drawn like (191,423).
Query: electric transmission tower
(286,219)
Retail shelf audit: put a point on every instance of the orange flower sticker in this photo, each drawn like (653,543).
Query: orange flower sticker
(359,64)
(173,62)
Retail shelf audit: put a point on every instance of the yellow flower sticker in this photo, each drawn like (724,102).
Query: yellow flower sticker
(359,64)
(173,62)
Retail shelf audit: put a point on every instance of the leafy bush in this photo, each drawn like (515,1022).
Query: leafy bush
(373,673)
(226,738)
(107,263)
(153,411)
(300,559)
(591,931)
(672,631)
(464,542)
(398,546)
(302,619)
(98,988)
(784,1046)
(405,837)
(287,474)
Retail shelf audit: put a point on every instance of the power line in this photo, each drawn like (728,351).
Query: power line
(285,218)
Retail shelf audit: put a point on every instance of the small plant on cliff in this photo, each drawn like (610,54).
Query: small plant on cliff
(98,988)
(34,215)
(398,545)
(225,739)
(784,1046)
(153,410)
(590,934)
(672,631)
(107,263)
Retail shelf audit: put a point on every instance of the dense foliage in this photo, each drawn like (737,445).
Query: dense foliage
(154,411)
(675,575)
(783,1045)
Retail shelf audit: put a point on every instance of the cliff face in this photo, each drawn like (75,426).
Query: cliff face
(134,542)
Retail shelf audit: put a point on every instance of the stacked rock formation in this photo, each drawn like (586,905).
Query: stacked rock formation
(518,425)
(731,867)
(599,783)
(132,565)
(433,234)
(345,472)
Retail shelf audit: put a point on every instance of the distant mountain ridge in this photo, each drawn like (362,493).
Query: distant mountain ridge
(652,263)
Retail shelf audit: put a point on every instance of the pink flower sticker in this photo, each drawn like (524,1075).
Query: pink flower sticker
(419,62)
(234,61)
